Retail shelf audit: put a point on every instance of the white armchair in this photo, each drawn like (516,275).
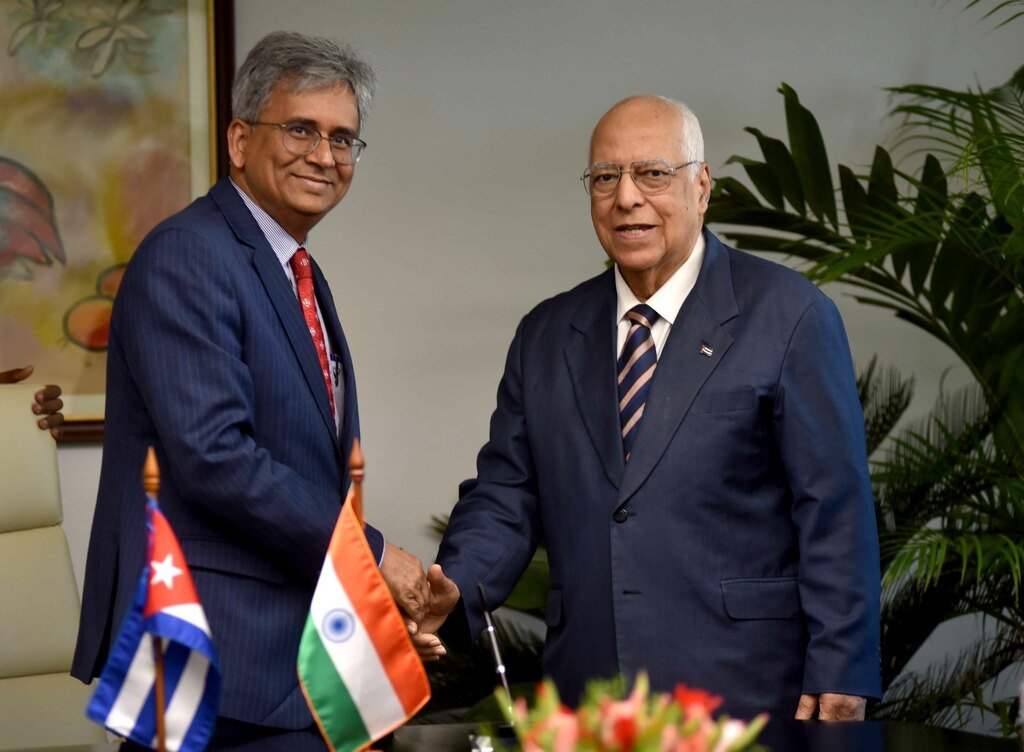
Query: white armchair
(40,704)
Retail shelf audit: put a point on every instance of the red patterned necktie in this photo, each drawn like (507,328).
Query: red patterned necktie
(304,283)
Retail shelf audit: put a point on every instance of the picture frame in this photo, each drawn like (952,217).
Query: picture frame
(116,56)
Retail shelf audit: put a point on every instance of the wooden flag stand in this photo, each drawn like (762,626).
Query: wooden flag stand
(357,471)
(151,483)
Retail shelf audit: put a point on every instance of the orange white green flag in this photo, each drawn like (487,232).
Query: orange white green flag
(357,665)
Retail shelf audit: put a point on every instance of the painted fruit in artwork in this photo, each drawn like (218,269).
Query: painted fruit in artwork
(87,322)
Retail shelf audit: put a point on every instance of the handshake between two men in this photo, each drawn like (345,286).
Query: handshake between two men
(425,599)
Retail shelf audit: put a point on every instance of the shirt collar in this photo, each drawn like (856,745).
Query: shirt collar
(280,241)
(669,298)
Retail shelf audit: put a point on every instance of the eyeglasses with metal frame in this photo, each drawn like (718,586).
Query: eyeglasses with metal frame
(650,176)
(299,139)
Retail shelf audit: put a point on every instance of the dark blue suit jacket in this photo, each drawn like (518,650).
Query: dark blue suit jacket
(211,363)
(744,558)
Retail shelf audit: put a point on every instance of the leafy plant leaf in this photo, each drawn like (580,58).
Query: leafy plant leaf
(808,149)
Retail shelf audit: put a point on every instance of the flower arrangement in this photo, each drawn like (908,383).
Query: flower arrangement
(642,722)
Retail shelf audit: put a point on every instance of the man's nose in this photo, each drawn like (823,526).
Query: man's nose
(322,155)
(627,194)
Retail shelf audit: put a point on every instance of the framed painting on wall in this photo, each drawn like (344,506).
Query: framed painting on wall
(111,114)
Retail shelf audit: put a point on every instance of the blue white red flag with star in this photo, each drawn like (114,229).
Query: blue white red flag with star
(166,611)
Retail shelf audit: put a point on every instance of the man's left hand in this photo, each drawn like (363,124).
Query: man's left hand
(831,706)
(444,596)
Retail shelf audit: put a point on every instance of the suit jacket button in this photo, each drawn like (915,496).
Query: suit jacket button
(621,515)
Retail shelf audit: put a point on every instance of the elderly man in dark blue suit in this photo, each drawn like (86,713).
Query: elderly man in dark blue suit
(683,433)
(227,356)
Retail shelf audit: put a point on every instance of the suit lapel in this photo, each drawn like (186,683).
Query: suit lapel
(281,295)
(684,366)
(590,356)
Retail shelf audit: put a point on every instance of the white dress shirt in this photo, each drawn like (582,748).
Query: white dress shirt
(666,301)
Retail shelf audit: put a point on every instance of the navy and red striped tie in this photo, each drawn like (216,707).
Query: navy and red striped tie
(635,370)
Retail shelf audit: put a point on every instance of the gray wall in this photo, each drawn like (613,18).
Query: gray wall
(466,209)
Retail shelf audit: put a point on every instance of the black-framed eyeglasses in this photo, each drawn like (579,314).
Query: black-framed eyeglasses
(650,176)
(299,139)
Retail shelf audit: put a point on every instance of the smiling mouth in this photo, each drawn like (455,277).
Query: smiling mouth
(633,229)
(314,179)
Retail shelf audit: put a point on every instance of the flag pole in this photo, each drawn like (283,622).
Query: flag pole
(151,484)
(356,469)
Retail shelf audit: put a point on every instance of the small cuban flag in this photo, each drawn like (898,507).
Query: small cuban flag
(357,666)
(167,609)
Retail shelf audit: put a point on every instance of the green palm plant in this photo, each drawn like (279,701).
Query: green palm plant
(942,247)
(951,532)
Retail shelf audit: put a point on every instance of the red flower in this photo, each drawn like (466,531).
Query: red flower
(624,731)
(696,702)
(652,721)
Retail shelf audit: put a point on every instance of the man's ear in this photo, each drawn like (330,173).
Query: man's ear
(704,180)
(238,139)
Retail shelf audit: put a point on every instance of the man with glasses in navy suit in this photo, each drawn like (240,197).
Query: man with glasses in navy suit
(684,435)
(228,357)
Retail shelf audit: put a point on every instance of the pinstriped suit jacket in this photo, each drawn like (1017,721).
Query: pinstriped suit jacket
(211,363)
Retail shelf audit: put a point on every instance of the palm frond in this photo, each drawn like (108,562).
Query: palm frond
(941,694)
(976,555)
(438,524)
(884,397)
(941,246)
(1014,9)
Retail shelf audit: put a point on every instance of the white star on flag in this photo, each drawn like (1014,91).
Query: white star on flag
(165,572)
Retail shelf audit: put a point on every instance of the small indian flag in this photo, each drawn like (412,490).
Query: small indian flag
(357,665)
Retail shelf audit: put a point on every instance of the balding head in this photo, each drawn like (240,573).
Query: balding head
(661,112)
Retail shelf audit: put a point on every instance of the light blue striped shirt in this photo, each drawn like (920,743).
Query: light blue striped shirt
(284,248)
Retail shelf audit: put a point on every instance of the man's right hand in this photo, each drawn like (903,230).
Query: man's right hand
(407,582)
(444,596)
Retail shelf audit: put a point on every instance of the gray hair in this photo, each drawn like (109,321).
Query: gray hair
(692,139)
(308,63)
